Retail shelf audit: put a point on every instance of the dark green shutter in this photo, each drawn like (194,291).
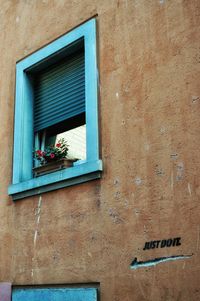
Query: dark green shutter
(59,91)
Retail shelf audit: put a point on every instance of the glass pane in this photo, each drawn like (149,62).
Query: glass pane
(76,139)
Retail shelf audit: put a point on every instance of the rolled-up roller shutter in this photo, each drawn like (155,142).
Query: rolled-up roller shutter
(59,91)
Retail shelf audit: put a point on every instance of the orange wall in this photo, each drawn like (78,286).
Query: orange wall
(149,63)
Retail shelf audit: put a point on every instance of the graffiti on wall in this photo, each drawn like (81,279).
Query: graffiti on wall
(163,243)
(171,242)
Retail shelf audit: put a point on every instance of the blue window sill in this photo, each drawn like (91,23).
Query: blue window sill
(55,180)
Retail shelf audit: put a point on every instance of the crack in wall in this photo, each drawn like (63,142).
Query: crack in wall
(37,222)
(37,214)
(148,263)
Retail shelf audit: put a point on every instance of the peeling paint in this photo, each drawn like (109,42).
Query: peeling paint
(116,181)
(136,211)
(140,264)
(146,146)
(174,156)
(126,203)
(117,195)
(115,216)
(159,171)
(138,181)
(162,130)
(145,229)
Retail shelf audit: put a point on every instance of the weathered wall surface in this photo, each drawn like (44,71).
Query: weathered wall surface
(149,63)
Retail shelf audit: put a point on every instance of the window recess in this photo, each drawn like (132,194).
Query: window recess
(59,104)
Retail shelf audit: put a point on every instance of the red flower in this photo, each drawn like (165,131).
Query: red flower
(52,156)
(40,153)
(58,145)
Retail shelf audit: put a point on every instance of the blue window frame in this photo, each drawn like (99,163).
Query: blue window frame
(23,182)
(54,294)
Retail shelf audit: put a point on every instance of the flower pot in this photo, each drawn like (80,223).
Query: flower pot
(52,166)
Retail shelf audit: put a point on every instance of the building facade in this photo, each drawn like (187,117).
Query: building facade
(122,223)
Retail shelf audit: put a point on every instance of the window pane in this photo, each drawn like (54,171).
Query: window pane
(76,139)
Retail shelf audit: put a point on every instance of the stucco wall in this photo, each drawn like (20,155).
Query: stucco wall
(149,66)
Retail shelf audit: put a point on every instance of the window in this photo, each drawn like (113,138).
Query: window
(52,294)
(57,96)
(59,101)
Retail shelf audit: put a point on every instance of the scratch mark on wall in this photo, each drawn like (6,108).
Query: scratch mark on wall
(146,146)
(140,264)
(180,170)
(153,285)
(117,95)
(195,99)
(139,285)
(37,214)
(141,289)
(38,209)
(198,235)
(89,254)
(189,189)
(172,180)
(145,231)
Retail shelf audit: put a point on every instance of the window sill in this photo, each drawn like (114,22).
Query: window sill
(55,180)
